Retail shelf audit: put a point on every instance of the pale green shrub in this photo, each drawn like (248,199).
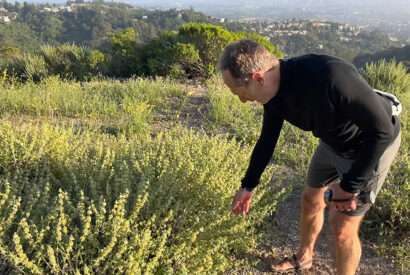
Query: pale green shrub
(73,62)
(386,76)
(74,202)
(28,67)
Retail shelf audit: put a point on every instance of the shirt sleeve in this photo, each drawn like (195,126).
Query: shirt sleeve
(263,150)
(355,99)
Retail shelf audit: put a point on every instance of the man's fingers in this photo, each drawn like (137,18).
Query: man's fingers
(235,207)
(247,207)
(343,206)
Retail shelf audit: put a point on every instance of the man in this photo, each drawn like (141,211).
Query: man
(359,138)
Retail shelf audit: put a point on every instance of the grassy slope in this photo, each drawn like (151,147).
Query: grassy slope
(84,167)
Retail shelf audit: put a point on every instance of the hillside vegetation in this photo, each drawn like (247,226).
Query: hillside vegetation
(110,176)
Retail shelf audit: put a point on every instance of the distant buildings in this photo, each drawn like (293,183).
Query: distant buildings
(4,19)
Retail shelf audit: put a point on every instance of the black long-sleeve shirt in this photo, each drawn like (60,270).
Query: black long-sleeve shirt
(327,96)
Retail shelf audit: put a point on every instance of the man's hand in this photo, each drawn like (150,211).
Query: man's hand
(241,202)
(339,193)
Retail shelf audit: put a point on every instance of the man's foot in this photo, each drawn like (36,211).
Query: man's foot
(291,264)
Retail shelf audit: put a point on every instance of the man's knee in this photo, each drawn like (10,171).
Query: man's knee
(345,229)
(313,203)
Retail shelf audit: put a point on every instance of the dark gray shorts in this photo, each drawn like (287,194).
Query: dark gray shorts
(328,167)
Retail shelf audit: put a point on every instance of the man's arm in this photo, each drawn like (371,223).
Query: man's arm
(263,150)
(261,155)
(355,99)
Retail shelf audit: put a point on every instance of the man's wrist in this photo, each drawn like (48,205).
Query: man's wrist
(247,189)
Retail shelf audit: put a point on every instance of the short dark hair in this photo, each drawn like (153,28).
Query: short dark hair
(244,57)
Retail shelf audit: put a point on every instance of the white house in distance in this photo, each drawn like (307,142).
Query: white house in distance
(5,19)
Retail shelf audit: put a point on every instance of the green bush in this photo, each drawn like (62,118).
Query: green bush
(390,76)
(124,51)
(193,51)
(66,61)
(123,205)
(28,67)
(73,62)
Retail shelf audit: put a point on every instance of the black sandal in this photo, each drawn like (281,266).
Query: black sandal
(297,266)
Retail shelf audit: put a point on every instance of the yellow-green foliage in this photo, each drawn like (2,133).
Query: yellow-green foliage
(76,200)
(228,113)
(111,105)
(94,203)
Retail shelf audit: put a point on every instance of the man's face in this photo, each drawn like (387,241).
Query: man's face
(244,92)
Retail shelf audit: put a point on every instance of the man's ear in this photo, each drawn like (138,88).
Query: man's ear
(259,77)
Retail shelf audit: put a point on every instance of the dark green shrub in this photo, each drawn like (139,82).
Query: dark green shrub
(124,50)
(193,51)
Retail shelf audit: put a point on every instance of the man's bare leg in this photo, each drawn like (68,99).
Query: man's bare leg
(345,232)
(311,222)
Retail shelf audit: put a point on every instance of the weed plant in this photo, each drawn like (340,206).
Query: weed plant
(94,203)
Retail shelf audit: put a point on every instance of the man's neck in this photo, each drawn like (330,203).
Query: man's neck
(272,81)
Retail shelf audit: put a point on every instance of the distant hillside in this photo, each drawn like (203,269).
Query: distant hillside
(86,24)
(400,54)
(90,24)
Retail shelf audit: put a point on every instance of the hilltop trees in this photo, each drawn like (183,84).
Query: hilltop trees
(193,50)
(190,52)
(399,54)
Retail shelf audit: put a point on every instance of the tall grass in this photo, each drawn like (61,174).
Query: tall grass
(391,77)
(92,203)
(228,114)
(111,105)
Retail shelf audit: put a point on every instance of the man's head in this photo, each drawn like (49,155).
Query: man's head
(244,65)
(244,57)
